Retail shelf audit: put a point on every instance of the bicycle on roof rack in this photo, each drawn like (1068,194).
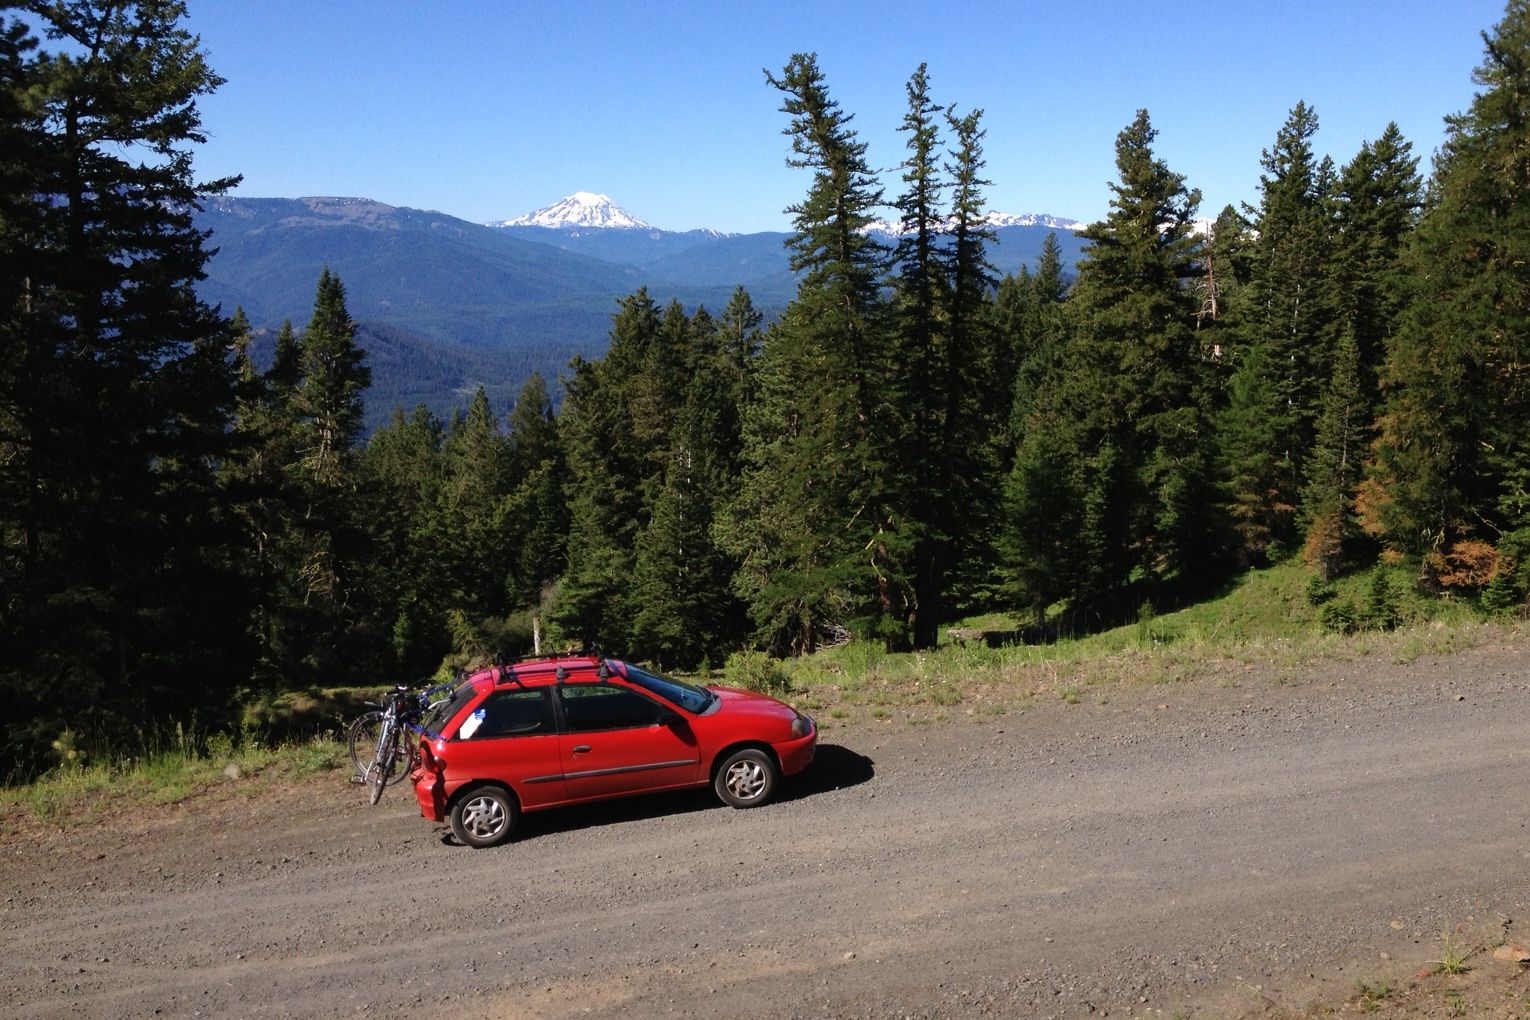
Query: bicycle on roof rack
(382,741)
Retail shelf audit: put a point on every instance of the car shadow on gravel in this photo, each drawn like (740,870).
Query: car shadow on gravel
(834,768)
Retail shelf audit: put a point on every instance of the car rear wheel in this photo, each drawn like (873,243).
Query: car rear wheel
(484,816)
(746,778)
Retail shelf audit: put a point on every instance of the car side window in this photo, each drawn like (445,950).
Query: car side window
(605,707)
(509,713)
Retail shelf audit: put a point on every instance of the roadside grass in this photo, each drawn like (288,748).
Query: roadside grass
(1265,623)
(1468,980)
(1370,995)
(283,738)
(1453,956)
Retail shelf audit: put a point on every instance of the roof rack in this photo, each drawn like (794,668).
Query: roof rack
(591,650)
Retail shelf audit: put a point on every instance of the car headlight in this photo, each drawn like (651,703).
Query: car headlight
(801,726)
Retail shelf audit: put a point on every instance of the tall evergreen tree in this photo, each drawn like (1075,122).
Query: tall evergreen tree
(472,516)
(972,461)
(1375,208)
(1454,449)
(405,582)
(257,485)
(116,382)
(538,512)
(327,410)
(1379,197)
(924,337)
(1030,332)
(1343,432)
(813,524)
(685,613)
(616,423)
(1288,313)
(1131,400)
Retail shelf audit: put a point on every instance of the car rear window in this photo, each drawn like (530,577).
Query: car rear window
(442,712)
(510,712)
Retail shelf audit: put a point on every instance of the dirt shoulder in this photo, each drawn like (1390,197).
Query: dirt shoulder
(1256,842)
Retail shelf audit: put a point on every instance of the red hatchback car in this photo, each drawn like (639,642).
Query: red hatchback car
(548,732)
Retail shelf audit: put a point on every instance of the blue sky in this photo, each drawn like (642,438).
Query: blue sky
(487,110)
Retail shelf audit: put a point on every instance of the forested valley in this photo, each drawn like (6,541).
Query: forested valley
(1339,374)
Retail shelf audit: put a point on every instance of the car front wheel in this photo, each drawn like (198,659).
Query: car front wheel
(484,816)
(746,778)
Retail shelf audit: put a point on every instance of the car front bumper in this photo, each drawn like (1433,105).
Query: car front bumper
(797,755)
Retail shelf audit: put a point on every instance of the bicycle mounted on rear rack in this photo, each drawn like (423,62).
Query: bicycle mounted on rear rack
(382,741)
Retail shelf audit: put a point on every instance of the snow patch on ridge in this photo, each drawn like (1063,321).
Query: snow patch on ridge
(892,228)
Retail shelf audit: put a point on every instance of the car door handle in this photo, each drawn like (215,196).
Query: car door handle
(582,749)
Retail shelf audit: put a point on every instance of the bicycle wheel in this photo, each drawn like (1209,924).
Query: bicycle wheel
(362,739)
(384,759)
(381,772)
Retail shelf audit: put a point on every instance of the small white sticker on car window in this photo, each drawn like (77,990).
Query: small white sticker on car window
(470,724)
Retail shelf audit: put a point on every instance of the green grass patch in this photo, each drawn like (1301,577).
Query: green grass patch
(171,772)
(1267,619)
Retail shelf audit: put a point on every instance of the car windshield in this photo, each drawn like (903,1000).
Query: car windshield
(687,696)
(441,712)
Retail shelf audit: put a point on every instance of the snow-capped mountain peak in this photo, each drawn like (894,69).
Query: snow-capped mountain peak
(892,228)
(581,209)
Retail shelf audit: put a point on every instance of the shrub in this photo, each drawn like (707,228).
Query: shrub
(1381,610)
(756,671)
(1338,615)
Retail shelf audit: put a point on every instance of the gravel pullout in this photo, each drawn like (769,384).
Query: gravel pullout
(1221,847)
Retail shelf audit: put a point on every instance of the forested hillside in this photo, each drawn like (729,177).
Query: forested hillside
(1336,374)
(443,306)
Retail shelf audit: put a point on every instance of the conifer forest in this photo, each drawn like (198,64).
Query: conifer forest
(1339,373)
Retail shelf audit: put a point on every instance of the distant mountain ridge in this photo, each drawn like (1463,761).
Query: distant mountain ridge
(447,305)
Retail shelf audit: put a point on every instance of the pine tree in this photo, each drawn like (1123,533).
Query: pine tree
(116,384)
(328,540)
(974,457)
(739,341)
(1030,332)
(812,525)
(1378,201)
(684,612)
(1288,313)
(404,584)
(1343,433)
(471,524)
(255,480)
(1455,435)
(924,337)
(538,514)
(1130,401)
(616,425)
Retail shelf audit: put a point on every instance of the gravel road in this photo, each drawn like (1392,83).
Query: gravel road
(1221,847)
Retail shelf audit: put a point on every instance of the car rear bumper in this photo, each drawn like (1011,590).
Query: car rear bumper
(430,791)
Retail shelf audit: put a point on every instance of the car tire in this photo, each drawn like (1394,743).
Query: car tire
(746,778)
(484,816)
